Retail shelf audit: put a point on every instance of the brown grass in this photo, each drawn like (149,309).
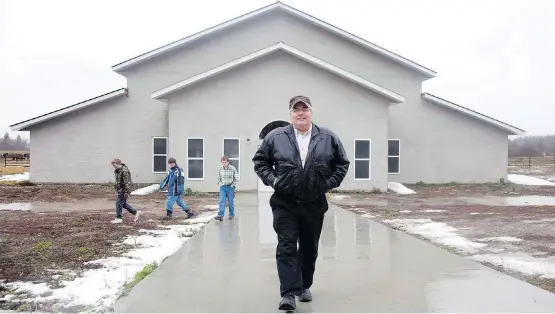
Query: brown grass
(12,170)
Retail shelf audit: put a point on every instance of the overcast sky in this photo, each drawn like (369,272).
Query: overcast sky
(495,57)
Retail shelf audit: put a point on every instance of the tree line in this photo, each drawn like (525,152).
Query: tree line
(532,146)
(18,143)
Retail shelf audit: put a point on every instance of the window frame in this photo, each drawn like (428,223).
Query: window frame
(154,155)
(369,159)
(394,156)
(196,158)
(235,158)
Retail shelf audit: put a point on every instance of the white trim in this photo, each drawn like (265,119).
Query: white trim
(161,93)
(166,154)
(278,5)
(196,158)
(54,114)
(369,159)
(504,126)
(234,158)
(394,156)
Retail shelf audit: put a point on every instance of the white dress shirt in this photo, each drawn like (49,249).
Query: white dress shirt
(303,140)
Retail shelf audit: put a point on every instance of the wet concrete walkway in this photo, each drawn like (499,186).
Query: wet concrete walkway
(363,266)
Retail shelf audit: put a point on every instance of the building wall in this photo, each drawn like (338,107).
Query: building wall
(447,146)
(78,147)
(239,103)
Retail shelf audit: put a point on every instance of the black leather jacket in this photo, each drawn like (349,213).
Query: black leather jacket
(278,157)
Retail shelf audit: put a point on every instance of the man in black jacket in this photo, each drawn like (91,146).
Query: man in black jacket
(301,162)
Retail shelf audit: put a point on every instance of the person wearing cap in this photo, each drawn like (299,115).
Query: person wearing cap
(123,189)
(175,181)
(301,162)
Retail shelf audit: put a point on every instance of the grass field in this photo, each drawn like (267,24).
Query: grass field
(14,151)
(12,170)
(542,167)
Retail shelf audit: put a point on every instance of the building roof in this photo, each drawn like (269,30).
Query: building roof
(502,125)
(160,94)
(275,6)
(21,126)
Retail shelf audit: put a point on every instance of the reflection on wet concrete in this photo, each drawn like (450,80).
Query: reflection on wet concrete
(363,266)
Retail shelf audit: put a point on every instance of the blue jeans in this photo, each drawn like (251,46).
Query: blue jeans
(226,191)
(121,202)
(172,199)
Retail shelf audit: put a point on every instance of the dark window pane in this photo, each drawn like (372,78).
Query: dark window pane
(231,148)
(362,168)
(393,164)
(194,148)
(234,163)
(194,169)
(362,149)
(160,146)
(393,148)
(160,163)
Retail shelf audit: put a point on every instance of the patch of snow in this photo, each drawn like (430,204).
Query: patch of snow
(211,207)
(15,206)
(338,197)
(434,211)
(399,188)
(539,221)
(527,180)
(405,211)
(16,177)
(499,239)
(100,288)
(475,213)
(369,216)
(437,232)
(146,190)
(522,263)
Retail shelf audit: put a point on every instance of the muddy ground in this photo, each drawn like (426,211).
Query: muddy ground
(478,213)
(33,241)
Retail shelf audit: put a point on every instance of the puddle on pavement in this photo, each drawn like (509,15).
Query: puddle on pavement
(58,206)
(528,200)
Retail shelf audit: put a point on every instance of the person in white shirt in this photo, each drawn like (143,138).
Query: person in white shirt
(302,162)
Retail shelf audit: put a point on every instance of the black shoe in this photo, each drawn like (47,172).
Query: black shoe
(190,214)
(168,216)
(287,303)
(220,218)
(305,296)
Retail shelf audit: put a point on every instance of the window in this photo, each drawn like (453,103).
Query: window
(393,156)
(195,158)
(159,154)
(363,148)
(233,151)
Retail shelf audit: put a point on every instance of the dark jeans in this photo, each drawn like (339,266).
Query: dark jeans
(302,223)
(121,202)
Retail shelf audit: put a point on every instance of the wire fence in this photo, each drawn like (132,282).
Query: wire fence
(532,165)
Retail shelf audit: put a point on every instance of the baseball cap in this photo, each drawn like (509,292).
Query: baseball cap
(299,99)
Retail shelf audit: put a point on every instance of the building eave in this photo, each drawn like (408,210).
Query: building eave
(164,92)
(278,5)
(512,130)
(25,125)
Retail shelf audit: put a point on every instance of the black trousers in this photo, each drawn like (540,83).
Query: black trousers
(297,223)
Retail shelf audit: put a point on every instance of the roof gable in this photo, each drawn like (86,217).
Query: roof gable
(276,6)
(162,93)
(512,130)
(21,126)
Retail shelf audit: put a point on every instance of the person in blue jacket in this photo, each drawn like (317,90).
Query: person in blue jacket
(175,181)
